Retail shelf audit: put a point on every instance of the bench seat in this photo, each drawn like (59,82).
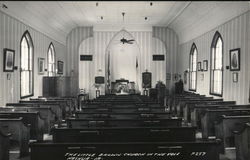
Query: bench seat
(126,134)
(198,150)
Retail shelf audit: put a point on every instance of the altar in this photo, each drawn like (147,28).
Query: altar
(123,86)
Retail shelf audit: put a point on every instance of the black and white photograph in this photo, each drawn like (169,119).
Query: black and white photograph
(235,77)
(199,66)
(9,59)
(59,67)
(125,80)
(41,65)
(235,59)
(205,65)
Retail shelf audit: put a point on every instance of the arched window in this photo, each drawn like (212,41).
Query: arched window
(216,80)
(26,69)
(51,60)
(193,68)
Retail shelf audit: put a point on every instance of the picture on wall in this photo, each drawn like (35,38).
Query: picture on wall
(235,59)
(199,66)
(59,67)
(41,65)
(205,65)
(9,58)
(146,79)
(235,77)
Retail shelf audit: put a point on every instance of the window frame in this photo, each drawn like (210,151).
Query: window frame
(54,73)
(30,45)
(193,48)
(216,36)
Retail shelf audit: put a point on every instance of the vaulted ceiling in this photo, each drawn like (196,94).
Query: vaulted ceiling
(189,19)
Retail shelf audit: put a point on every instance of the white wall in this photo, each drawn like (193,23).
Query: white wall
(235,34)
(164,41)
(171,41)
(86,73)
(74,39)
(11,31)
(122,57)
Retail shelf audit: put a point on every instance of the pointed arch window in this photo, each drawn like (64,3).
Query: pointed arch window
(216,80)
(51,60)
(26,69)
(193,68)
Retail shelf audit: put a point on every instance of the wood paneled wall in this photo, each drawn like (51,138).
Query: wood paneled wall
(11,31)
(235,34)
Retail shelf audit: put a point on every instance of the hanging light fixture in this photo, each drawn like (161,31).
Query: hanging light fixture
(123,40)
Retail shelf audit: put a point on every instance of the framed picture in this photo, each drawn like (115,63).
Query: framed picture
(59,67)
(41,65)
(235,77)
(146,79)
(205,65)
(235,59)
(199,66)
(8,60)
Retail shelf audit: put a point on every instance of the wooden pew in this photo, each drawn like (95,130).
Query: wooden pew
(72,101)
(4,145)
(172,100)
(200,150)
(210,116)
(20,133)
(224,128)
(242,141)
(200,109)
(61,103)
(182,102)
(67,104)
(124,109)
(176,101)
(45,112)
(192,103)
(104,122)
(55,107)
(128,106)
(29,118)
(127,134)
(123,115)
(122,103)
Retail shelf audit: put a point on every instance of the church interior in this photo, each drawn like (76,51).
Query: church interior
(127,80)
